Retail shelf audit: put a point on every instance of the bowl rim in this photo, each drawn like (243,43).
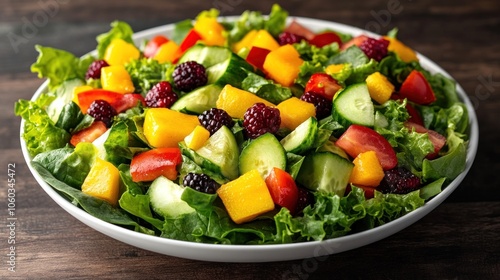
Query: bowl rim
(271,252)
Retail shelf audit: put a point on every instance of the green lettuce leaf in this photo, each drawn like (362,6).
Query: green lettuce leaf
(265,88)
(146,72)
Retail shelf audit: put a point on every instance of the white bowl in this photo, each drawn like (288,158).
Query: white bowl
(265,253)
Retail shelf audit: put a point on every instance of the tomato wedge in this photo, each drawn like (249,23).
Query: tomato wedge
(325,38)
(438,140)
(417,89)
(298,29)
(356,41)
(152,164)
(154,44)
(322,84)
(257,56)
(283,189)
(89,134)
(358,139)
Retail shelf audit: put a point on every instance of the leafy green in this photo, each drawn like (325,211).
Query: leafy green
(40,132)
(119,30)
(71,115)
(181,29)
(146,72)
(315,59)
(360,65)
(265,88)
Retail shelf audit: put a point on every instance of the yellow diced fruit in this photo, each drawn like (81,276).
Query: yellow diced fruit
(264,40)
(120,52)
(116,78)
(167,52)
(77,90)
(283,65)
(246,197)
(246,42)
(197,138)
(236,101)
(334,69)
(294,111)
(380,87)
(211,31)
(166,128)
(367,170)
(103,181)
(404,52)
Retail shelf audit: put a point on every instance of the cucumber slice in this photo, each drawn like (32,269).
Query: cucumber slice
(231,71)
(301,138)
(353,105)
(198,101)
(325,171)
(206,55)
(263,153)
(165,198)
(222,150)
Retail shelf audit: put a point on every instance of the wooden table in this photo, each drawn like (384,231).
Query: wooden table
(458,240)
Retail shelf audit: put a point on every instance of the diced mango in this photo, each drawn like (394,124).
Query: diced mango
(367,170)
(246,197)
(236,101)
(120,52)
(283,65)
(77,90)
(210,30)
(103,181)
(294,111)
(167,52)
(116,78)
(246,42)
(380,87)
(166,128)
(334,68)
(197,138)
(265,40)
(404,52)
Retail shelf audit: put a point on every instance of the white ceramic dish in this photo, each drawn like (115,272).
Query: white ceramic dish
(264,253)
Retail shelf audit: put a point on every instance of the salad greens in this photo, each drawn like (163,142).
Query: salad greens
(47,133)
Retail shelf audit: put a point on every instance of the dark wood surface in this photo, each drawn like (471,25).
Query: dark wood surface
(458,240)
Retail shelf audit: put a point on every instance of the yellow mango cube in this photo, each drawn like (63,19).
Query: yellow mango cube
(166,128)
(246,197)
(167,52)
(294,111)
(197,138)
(120,52)
(211,31)
(367,170)
(263,39)
(404,52)
(116,78)
(380,87)
(334,68)
(236,101)
(103,181)
(283,65)
(246,42)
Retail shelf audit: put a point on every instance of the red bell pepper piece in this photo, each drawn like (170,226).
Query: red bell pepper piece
(154,163)
(417,89)
(257,56)
(190,40)
(283,189)
(89,134)
(358,139)
(154,44)
(120,102)
(325,38)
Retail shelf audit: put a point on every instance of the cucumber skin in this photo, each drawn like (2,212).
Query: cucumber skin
(234,73)
(263,153)
(191,103)
(206,55)
(305,144)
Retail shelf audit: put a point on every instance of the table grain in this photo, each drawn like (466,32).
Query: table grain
(460,239)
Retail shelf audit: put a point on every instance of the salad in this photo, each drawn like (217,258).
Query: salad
(250,131)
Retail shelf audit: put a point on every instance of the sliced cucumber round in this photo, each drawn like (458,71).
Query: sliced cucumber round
(165,198)
(231,71)
(353,105)
(206,55)
(302,138)
(198,101)
(263,153)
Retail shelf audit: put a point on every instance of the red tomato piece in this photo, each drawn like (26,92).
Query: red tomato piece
(127,101)
(190,40)
(283,189)
(154,44)
(299,29)
(322,84)
(89,134)
(154,163)
(358,139)
(415,116)
(417,89)
(438,140)
(257,56)
(325,38)
(356,41)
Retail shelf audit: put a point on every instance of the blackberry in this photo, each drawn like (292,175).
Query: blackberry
(161,95)
(101,110)
(94,70)
(399,180)
(200,182)
(322,104)
(305,198)
(289,38)
(214,118)
(189,75)
(375,48)
(260,119)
